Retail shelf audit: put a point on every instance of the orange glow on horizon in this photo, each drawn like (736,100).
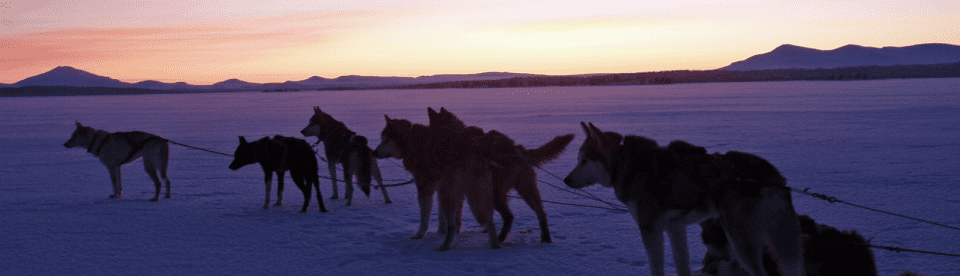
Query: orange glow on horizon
(259,43)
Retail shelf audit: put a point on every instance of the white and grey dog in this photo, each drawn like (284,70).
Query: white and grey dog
(118,148)
(668,188)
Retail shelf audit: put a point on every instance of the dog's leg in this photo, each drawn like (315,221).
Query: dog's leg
(447,198)
(267,178)
(481,202)
(115,179)
(304,188)
(316,185)
(152,172)
(162,166)
(500,203)
(332,167)
(746,245)
(450,231)
(348,183)
(678,242)
(375,170)
(279,188)
(774,228)
(441,219)
(425,199)
(526,186)
(653,243)
(787,245)
(651,233)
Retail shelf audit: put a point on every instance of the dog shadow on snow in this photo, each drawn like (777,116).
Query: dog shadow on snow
(471,239)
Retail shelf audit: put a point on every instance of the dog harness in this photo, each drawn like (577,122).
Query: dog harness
(102,142)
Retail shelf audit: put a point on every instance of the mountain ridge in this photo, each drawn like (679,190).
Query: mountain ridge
(788,56)
(73,77)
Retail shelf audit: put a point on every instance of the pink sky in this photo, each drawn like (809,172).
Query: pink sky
(202,42)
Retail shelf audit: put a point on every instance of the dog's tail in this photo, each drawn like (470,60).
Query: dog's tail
(548,151)
(363,153)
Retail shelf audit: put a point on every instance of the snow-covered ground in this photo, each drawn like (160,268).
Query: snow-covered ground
(889,144)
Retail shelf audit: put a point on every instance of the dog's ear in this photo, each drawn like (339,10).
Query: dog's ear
(432,114)
(586,130)
(78,124)
(316,110)
(386,117)
(597,135)
(243,140)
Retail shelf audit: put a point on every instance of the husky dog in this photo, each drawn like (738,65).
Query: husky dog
(461,172)
(666,189)
(345,147)
(826,251)
(118,148)
(512,166)
(279,155)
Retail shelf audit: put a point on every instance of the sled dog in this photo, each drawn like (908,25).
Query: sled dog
(826,251)
(279,155)
(512,166)
(668,188)
(345,147)
(118,148)
(463,173)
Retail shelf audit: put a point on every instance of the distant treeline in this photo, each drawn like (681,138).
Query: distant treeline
(951,70)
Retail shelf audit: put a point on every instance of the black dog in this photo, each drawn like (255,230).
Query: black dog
(279,155)
(826,251)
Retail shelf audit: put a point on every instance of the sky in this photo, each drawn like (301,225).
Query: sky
(207,41)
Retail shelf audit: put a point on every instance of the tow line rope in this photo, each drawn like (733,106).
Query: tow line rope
(203,149)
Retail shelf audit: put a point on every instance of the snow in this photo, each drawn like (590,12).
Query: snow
(888,144)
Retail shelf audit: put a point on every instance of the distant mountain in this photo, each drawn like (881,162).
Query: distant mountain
(354,81)
(156,85)
(795,57)
(72,77)
(69,76)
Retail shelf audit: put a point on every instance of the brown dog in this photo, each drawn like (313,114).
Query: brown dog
(447,164)
(512,166)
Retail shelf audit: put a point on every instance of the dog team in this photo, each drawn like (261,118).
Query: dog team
(739,197)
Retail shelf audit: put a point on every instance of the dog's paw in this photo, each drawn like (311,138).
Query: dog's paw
(443,248)
(266,207)
(387,201)
(115,196)
(154,199)
(278,204)
(334,197)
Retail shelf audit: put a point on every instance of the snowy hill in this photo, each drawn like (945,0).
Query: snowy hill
(795,57)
